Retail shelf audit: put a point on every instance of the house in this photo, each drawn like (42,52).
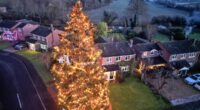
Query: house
(7,30)
(180,54)
(112,54)
(44,38)
(149,54)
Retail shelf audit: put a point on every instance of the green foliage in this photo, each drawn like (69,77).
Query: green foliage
(102,29)
(178,33)
(134,95)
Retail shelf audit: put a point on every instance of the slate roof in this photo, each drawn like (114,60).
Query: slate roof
(112,67)
(146,47)
(137,40)
(21,25)
(155,61)
(184,46)
(180,64)
(7,24)
(115,49)
(42,31)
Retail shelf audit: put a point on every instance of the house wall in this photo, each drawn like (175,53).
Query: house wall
(114,61)
(190,57)
(109,74)
(53,40)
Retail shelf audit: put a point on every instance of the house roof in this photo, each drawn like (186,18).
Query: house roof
(112,67)
(115,49)
(21,25)
(180,64)
(42,31)
(7,24)
(31,41)
(155,61)
(100,40)
(137,40)
(146,47)
(184,46)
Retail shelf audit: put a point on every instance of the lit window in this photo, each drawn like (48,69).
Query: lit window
(118,59)
(145,54)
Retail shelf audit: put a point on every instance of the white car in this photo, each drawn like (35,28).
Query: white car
(197,86)
(193,79)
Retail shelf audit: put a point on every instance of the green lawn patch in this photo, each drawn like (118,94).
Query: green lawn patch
(4,45)
(134,95)
(35,58)
(161,38)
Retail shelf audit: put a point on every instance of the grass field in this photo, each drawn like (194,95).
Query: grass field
(4,45)
(134,95)
(161,38)
(34,57)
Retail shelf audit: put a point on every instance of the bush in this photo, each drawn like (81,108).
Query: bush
(177,33)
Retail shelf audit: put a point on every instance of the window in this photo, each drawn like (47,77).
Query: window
(192,55)
(127,58)
(125,68)
(145,54)
(109,60)
(43,46)
(173,57)
(182,56)
(38,37)
(43,39)
(118,59)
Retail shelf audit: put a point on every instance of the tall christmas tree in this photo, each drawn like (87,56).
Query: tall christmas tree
(79,75)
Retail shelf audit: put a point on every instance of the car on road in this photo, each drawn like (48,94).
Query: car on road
(193,79)
(197,86)
(20,45)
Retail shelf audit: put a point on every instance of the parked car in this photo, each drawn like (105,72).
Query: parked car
(197,86)
(193,79)
(20,45)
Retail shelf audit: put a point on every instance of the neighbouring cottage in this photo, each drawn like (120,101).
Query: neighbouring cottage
(7,30)
(112,54)
(149,54)
(44,38)
(180,55)
(16,30)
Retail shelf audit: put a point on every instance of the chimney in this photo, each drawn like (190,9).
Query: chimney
(131,43)
(52,33)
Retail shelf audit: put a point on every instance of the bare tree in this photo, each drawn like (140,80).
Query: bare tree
(138,7)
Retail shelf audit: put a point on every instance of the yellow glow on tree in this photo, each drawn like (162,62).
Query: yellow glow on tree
(79,75)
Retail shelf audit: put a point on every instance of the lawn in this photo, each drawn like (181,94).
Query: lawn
(134,95)
(35,58)
(4,45)
(161,38)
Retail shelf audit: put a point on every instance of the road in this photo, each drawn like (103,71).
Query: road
(21,87)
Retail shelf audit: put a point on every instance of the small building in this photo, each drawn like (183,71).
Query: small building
(45,38)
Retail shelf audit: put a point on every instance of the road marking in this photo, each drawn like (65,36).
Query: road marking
(19,101)
(43,105)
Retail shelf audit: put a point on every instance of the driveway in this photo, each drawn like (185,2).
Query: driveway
(21,87)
